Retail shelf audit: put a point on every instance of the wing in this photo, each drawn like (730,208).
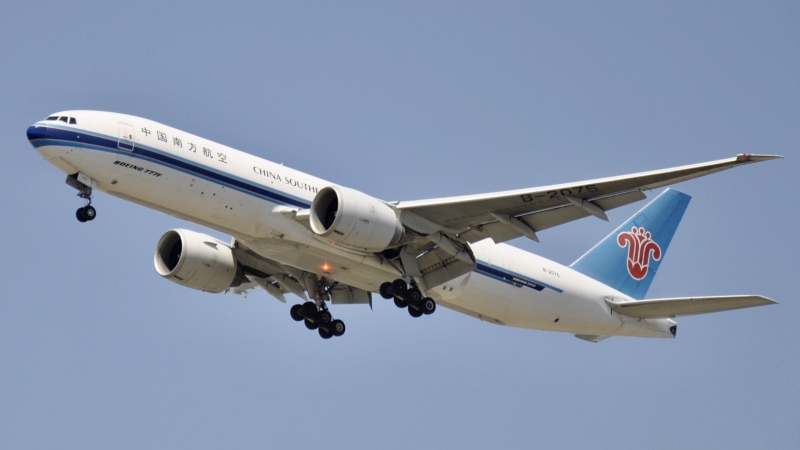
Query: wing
(278,279)
(511,214)
(688,306)
(264,273)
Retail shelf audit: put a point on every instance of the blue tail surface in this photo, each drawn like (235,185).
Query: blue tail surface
(628,258)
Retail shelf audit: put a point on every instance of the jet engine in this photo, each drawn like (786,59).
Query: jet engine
(353,219)
(197,261)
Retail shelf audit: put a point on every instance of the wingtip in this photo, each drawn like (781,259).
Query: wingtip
(748,157)
(763,301)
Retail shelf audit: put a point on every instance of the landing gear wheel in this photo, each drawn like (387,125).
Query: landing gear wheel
(386,290)
(337,327)
(85,214)
(414,312)
(325,333)
(414,296)
(399,288)
(400,303)
(311,325)
(309,309)
(297,312)
(323,318)
(427,306)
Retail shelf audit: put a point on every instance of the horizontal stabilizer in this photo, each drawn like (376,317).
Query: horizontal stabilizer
(686,306)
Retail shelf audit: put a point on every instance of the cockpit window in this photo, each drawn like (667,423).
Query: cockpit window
(65,119)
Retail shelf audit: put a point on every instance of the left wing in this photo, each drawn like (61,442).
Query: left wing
(511,214)
(687,306)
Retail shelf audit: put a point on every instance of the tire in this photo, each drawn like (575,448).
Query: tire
(414,295)
(399,288)
(386,290)
(296,312)
(414,312)
(89,212)
(324,318)
(427,306)
(309,309)
(400,303)
(325,333)
(311,325)
(337,327)
(79,214)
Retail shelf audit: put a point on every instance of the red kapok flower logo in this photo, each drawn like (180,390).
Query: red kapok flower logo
(640,248)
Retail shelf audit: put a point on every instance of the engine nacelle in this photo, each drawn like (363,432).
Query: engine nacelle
(353,219)
(197,261)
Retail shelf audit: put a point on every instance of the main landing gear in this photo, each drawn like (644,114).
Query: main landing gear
(406,296)
(318,318)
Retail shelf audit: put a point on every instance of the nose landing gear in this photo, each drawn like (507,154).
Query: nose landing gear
(84,185)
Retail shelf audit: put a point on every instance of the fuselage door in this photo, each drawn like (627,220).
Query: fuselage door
(125,137)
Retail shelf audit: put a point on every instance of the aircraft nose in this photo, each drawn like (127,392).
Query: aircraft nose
(36,132)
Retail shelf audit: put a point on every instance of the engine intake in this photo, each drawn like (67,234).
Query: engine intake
(353,219)
(197,261)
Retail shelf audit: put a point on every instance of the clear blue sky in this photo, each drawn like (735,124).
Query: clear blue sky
(97,351)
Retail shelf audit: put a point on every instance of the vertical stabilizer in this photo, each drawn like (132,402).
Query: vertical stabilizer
(628,258)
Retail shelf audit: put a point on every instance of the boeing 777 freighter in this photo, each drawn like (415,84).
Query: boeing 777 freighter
(330,244)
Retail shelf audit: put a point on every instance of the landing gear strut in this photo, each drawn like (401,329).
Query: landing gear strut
(406,296)
(87,212)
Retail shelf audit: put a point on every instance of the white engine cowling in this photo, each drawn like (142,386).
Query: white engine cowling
(197,261)
(353,219)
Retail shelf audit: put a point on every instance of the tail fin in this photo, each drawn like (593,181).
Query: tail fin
(628,259)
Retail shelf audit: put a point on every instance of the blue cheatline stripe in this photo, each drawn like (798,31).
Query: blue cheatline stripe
(513,278)
(83,139)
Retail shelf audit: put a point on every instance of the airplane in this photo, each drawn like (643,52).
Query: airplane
(293,233)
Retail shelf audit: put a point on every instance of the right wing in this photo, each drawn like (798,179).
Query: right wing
(435,248)
(511,214)
(686,306)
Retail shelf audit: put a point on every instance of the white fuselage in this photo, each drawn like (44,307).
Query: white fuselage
(251,198)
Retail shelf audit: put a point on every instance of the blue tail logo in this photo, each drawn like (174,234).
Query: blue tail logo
(628,259)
